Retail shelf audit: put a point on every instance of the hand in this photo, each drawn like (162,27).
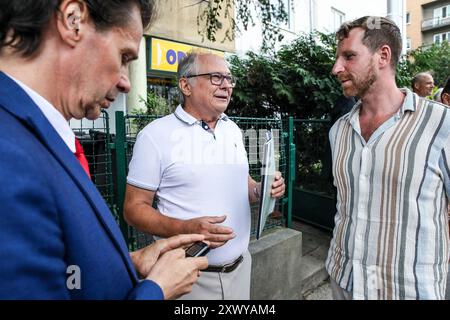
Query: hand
(145,258)
(278,186)
(216,234)
(175,273)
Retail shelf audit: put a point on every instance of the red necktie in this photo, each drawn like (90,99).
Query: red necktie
(79,154)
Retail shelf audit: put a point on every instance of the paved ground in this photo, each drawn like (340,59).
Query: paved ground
(322,292)
(447,294)
(316,242)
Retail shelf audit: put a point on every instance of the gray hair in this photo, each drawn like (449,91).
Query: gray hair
(186,67)
(419,77)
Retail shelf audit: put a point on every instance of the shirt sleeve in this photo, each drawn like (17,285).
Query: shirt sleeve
(145,166)
(146,290)
(444,165)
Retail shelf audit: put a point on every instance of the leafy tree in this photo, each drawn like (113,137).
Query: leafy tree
(434,58)
(269,12)
(295,81)
(155,106)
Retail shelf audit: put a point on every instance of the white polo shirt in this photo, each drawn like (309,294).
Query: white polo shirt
(196,172)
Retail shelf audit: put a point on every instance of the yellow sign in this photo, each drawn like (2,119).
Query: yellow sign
(165,54)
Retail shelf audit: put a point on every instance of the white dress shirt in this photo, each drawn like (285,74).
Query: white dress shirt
(55,118)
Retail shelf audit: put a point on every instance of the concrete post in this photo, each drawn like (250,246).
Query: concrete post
(138,79)
(397,12)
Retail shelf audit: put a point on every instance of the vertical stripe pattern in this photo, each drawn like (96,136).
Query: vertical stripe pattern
(390,239)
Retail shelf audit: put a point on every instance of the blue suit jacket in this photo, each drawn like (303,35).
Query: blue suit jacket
(52,216)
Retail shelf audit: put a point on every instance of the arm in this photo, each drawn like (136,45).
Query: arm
(254,188)
(140,214)
(164,263)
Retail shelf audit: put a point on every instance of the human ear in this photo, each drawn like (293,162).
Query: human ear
(385,56)
(185,86)
(71,20)
(445,97)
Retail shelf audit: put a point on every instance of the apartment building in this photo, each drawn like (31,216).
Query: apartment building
(305,16)
(173,33)
(427,22)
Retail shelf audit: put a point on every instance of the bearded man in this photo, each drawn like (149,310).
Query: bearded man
(390,166)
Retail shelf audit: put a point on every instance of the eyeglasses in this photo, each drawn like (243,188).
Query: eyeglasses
(216,78)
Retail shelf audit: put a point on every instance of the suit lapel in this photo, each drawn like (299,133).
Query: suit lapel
(14,100)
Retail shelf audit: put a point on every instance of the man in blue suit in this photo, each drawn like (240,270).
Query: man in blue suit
(63,59)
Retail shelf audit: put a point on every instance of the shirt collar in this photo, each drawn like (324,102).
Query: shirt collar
(56,119)
(182,115)
(409,104)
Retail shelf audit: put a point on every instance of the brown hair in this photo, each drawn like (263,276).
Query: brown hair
(25,20)
(378,31)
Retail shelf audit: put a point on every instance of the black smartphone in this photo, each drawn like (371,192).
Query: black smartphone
(198,249)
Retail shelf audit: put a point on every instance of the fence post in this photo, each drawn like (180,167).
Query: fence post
(121,171)
(291,171)
(109,161)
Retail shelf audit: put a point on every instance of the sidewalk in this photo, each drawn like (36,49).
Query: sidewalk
(315,283)
(315,244)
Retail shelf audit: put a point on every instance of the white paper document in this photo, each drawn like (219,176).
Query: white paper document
(266,202)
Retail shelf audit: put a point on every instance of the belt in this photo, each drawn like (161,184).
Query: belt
(226,268)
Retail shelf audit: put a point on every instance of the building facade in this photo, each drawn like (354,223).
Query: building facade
(305,16)
(174,32)
(427,22)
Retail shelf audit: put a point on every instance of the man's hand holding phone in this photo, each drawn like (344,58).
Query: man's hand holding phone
(165,263)
(198,249)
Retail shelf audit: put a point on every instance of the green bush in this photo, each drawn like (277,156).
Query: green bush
(294,81)
(154,106)
(434,58)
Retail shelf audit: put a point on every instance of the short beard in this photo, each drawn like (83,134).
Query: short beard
(362,85)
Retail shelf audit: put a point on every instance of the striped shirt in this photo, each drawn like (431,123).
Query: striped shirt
(390,239)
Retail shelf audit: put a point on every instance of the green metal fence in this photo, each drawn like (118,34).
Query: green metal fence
(313,192)
(96,140)
(109,155)
(253,132)
(312,156)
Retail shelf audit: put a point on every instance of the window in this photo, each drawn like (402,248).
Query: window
(408,44)
(408,18)
(441,37)
(437,38)
(441,12)
(338,18)
(287,5)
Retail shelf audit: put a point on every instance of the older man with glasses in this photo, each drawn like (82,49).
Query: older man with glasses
(195,163)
